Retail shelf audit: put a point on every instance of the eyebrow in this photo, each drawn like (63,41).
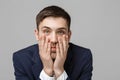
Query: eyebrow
(45,27)
(62,28)
(57,29)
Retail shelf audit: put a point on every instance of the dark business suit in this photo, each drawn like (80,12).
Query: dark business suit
(78,64)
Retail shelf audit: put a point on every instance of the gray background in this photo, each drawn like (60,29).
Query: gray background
(95,25)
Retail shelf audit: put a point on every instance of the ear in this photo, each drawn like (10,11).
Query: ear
(36,32)
(69,35)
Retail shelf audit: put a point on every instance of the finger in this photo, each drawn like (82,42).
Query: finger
(45,44)
(64,42)
(57,50)
(43,40)
(40,40)
(67,41)
(48,47)
(60,46)
(41,43)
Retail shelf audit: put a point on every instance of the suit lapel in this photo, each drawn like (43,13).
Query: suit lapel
(37,65)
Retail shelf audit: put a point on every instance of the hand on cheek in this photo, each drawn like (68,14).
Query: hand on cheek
(45,48)
(65,43)
(61,53)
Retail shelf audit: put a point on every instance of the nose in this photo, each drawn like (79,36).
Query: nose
(54,37)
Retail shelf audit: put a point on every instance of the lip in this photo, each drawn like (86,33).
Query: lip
(53,48)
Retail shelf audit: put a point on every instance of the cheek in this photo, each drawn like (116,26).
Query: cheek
(48,37)
(41,34)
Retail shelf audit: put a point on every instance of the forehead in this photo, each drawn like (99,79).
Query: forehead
(54,23)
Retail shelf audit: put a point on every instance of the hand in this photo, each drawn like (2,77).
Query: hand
(45,48)
(61,53)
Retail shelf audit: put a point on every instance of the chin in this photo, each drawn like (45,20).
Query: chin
(53,55)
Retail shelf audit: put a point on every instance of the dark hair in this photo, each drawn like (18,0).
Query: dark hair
(53,11)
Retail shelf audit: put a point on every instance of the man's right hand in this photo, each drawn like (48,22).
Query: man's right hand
(45,48)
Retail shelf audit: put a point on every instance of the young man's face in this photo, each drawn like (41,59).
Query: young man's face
(52,28)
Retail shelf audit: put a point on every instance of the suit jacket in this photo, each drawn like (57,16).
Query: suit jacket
(78,65)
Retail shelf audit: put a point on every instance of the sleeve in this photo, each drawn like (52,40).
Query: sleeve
(19,73)
(44,76)
(87,70)
(63,76)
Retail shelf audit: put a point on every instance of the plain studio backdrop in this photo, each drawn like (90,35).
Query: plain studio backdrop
(95,25)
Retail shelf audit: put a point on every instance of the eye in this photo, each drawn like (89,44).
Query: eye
(46,31)
(61,32)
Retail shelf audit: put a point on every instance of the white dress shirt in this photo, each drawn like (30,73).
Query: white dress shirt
(44,76)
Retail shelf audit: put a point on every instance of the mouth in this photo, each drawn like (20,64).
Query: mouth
(53,49)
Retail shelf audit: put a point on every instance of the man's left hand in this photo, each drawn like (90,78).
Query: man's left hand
(61,54)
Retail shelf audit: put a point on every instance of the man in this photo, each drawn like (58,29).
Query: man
(53,58)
